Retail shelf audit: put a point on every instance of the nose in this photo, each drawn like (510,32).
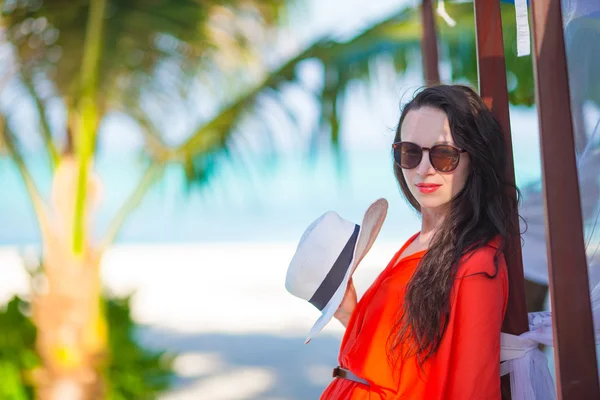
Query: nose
(425,168)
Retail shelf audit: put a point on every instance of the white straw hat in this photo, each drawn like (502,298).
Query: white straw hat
(328,253)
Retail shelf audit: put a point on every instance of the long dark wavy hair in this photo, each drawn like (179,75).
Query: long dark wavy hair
(482,210)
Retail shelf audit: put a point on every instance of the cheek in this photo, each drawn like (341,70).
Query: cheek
(459,178)
(408,178)
(406,175)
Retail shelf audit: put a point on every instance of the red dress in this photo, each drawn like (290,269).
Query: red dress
(467,362)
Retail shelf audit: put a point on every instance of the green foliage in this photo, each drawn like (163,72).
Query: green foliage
(459,47)
(17,351)
(11,383)
(132,371)
(138,36)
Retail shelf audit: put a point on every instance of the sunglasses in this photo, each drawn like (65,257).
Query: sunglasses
(443,157)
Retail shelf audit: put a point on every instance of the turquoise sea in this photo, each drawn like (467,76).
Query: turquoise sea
(263,198)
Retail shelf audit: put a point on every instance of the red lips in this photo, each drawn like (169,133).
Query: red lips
(428,187)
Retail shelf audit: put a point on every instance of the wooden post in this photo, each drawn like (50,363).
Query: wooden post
(574,345)
(493,90)
(429,45)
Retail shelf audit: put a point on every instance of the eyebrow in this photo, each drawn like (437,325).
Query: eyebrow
(440,142)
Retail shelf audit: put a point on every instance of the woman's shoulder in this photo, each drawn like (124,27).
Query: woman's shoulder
(487,259)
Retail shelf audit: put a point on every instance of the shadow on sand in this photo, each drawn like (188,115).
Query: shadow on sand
(297,371)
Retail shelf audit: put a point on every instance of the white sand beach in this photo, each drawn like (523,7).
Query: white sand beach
(225,310)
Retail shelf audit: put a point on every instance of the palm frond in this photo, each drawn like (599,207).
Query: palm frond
(45,130)
(139,37)
(9,140)
(152,173)
(395,41)
(88,115)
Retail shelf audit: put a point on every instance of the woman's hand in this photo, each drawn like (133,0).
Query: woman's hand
(347,305)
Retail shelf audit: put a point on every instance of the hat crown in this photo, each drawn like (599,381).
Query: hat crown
(319,247)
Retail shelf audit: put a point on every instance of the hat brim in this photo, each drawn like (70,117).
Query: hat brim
(369,229)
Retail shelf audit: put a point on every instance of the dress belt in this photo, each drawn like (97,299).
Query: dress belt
(339,372)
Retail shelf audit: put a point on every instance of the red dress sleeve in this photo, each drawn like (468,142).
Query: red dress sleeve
(467,364)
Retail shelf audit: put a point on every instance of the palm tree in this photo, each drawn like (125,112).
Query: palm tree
(98,58)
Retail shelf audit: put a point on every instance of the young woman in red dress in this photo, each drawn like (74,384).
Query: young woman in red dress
(429,325)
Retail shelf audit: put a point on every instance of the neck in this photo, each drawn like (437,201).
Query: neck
(431,221)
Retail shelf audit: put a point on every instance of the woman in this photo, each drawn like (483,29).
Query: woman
(429,326)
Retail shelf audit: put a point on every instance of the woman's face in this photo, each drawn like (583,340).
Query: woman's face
(432,189)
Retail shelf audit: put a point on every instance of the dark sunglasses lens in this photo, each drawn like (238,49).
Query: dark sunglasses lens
(444,158)
(408,155)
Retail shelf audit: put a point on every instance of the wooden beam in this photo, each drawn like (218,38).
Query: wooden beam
(574,346)
(493,90)
(429,45)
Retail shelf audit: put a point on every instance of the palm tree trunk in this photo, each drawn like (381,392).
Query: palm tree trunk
(65,313)
(66,304)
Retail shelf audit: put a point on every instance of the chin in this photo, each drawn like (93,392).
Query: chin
(430,205)
(429,202)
